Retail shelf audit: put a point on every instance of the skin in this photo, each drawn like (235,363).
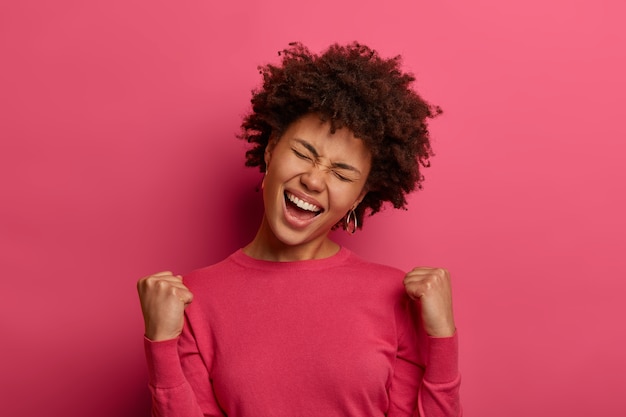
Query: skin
(163,300)
(330,172)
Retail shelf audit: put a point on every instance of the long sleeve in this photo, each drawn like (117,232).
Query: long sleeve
(179,379)
(426,378)
(439,392)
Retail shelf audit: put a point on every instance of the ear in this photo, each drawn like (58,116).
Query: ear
(267,156)
(360,198)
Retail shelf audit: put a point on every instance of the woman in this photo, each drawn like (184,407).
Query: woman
(293,324)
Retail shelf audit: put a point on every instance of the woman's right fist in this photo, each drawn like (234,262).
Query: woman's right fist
(163,300)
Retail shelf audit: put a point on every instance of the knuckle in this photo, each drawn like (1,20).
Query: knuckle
(441,272)
(161,284)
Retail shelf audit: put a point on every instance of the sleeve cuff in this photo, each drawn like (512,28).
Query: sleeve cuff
(164,368)
(443,359)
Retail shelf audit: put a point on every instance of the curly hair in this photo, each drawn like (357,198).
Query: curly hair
(348,86)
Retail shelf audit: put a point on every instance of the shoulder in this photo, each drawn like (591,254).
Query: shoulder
(364,266)
(379,278)
(207,275)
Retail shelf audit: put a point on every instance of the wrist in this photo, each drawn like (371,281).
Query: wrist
(159,336)
(444,330)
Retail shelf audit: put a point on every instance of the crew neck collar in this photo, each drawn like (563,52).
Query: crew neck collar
(338,258)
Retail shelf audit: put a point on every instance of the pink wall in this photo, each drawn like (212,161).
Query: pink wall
(118,159)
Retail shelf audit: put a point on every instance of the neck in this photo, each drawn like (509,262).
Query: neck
(266,246)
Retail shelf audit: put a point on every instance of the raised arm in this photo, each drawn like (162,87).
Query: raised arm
(430,290)
(178,377)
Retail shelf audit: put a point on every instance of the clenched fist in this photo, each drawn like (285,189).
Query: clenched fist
(431,288)
(163,300)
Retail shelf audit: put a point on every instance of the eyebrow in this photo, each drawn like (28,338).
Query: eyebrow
(340,165)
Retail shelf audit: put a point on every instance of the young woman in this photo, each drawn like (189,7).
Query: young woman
(293,324)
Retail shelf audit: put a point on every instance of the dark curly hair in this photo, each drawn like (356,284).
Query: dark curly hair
(349,86)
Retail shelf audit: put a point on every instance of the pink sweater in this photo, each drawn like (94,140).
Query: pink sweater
(326,337)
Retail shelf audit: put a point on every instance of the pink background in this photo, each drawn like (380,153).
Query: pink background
(118,159)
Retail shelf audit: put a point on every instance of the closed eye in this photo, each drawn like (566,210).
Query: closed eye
(338,169)
(342,177)
(301,155)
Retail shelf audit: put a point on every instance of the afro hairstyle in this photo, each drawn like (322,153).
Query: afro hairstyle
(348,86)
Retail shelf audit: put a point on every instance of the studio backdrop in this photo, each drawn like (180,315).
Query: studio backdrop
(119,158)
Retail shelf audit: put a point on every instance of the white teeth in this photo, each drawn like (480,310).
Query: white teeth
(302,204)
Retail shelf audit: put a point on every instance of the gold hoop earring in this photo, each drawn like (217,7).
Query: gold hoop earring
(350,218)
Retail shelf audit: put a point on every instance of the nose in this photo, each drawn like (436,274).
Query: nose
(314,178)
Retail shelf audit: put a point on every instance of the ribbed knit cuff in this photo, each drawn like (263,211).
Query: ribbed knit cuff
(164,369)
(443,359)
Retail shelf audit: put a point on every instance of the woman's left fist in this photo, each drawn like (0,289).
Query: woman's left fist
(431,288)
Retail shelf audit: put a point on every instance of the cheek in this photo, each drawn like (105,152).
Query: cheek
(286,166)
(344,197)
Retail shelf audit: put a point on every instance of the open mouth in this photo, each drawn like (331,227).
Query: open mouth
(299,208)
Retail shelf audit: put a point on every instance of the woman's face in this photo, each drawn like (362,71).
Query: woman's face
(313,179)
